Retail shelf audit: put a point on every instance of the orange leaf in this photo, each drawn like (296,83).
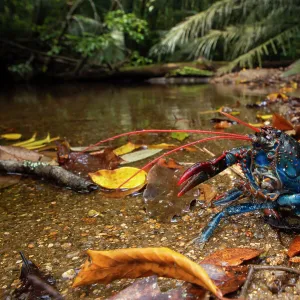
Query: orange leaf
(281,123)
(294,248)
(230,256)
(223,125)
(170,163)
(106,266)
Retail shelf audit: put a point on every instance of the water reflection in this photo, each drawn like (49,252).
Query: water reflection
(86,113)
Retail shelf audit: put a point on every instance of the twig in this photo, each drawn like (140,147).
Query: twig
(254,268)
(43,170)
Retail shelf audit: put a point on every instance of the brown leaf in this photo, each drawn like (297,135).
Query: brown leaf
(208,193)
(148,289)
(160,195)
(84,163)
(106,266)
(294,248)
(281,123)
(227,279)
(231,256)
(8,180)
(19,154)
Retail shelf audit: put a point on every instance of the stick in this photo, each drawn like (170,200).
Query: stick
(53,173)
(257,268)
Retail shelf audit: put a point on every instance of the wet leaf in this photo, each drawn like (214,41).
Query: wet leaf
(35,283)
(257,125)
(148,289)
(121,193)
(223,125)
(281,123)
(160,195)
(11,136)
(139,155)
(227,279)
(112,179)
(180,136)
(129,147)
(32,139)
(264,117)
(19,154)
(286,90)
(277,96)
(231,256)
(106,266)
(84,163)
(294,248)
(8,180)
(40,143)
(208,193)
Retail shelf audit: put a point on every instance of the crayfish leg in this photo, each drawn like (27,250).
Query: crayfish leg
(228,197)
(230,211)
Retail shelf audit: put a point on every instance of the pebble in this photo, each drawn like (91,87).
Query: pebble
(70,274)
(50,245)
(66,246)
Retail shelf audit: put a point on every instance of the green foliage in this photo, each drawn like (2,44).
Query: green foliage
(22,70)
(242,31)
(137,60)
(189,72)
(294,69)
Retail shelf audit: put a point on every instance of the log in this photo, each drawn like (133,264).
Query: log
(52,173)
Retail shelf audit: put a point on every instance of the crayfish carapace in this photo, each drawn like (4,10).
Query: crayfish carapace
(271,167)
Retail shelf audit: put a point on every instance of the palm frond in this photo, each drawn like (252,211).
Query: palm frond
(248,58)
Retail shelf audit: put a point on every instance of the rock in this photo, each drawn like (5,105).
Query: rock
(68,275)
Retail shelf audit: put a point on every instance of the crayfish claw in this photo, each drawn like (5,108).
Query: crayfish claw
(193,181)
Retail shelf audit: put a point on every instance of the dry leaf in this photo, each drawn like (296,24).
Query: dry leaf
(106,266)
(32,139)
(112,179)
(294,248)
(281,123)
(11,136)
(121,193)
(231,256)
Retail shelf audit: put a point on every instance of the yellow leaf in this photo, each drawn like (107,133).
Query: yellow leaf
(32,139)
(264,117)
(294,84)
(257,124)
(277,96)
(286,90)
(106,266)
(112,179)
(11,136)
(40,143)
(129,147)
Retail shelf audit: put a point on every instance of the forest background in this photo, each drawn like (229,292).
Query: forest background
(92,39)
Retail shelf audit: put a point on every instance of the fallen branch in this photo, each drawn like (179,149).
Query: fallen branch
(258,268)
(53,173)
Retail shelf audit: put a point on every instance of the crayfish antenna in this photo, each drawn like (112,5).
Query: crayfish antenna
(239,137)
(197,131)
(229,116)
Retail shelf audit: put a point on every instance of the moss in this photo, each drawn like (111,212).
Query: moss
(189,72)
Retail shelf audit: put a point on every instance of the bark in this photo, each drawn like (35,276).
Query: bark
(52,173)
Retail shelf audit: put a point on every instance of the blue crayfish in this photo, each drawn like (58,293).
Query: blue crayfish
(271,166)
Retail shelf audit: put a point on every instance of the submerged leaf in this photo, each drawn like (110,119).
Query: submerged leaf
(112,179)
(180,136)
(11,136)
(106,266)
(160,195)
(277,96)
(139,155)
(8,180)
(32,139)
(127,148)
